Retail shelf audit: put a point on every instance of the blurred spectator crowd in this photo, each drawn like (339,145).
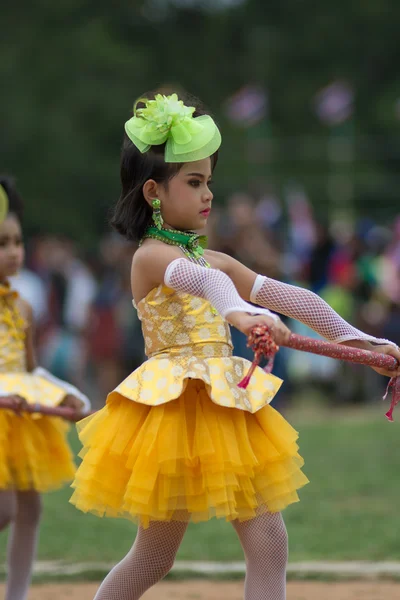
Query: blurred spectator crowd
(88,331)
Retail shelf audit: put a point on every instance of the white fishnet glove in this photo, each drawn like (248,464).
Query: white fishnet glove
(307,307)
(212,285)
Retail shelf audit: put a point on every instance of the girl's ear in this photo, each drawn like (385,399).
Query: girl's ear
(150,191)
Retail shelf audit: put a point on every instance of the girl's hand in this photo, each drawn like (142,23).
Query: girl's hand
(245,323)
(71,401)
(381,349)
(391,351)
(18,403)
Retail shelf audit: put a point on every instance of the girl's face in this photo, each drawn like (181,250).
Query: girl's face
(11,247)
(186,200)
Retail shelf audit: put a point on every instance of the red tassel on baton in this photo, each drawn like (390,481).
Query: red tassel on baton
(262,344)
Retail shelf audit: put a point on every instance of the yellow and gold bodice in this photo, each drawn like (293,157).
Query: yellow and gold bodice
(181,324)
(12,333)
(186,339)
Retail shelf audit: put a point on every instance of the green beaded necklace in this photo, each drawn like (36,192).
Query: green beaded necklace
(191,244)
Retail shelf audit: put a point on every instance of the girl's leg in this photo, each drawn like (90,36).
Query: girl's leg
(264,541)
(22,544)
(149,560)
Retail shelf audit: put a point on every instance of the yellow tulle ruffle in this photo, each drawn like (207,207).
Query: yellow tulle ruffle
(188,459)
(34,453)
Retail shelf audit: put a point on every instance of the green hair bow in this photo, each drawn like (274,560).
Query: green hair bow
(167,120)
(3,204)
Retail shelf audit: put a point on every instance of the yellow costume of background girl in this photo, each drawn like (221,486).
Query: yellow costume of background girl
(34,453)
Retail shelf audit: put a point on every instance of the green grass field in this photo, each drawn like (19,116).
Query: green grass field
(348,511)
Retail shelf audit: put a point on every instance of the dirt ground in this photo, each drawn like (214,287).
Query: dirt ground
(208,590)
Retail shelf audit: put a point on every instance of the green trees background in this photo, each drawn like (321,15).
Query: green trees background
(70,71)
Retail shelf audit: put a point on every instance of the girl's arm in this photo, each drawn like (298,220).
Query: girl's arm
(155,264)
(300,304)
(242,276)
(293,301)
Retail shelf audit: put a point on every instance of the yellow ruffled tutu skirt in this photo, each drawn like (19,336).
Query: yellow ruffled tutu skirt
(34,453)
(187,459)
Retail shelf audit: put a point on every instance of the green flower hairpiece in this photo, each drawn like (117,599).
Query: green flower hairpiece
(3,204)
(167,120)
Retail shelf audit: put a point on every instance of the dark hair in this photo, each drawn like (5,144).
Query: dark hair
(132,214)
(15,203)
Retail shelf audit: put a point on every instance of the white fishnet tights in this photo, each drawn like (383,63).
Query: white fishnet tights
(149,560)
(20,510)
(264,541)
(305,306)
(210,284)
(265,545)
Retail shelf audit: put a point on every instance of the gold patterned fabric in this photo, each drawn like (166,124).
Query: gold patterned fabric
(34,453)
(178,440)
(186,339)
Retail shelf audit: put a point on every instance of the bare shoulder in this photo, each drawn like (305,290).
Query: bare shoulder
(26,310)
(149,264)
(152,254)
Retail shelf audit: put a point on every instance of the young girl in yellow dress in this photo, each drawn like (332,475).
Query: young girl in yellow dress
(178,440)
(34,453)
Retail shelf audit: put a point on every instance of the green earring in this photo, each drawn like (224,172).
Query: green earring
(157,217)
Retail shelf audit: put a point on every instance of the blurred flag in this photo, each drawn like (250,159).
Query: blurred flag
(334,104)
(248,106)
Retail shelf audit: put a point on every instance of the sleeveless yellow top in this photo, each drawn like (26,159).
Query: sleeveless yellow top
(34,453)
(186,339)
